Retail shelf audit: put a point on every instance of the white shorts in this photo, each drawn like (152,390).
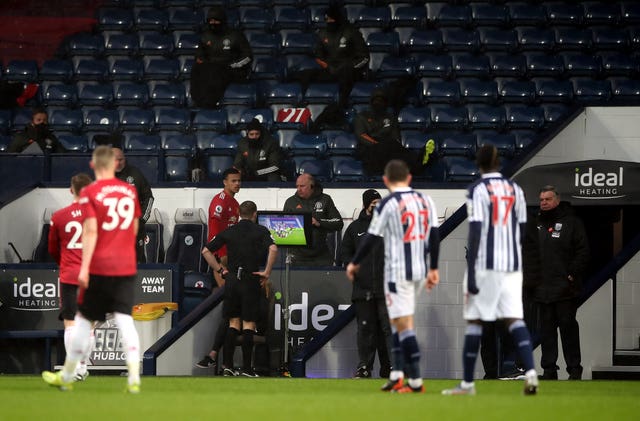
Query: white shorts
(500,296)
(402,302)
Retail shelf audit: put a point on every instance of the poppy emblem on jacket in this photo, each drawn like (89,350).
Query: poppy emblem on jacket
(299,206)
(245,153)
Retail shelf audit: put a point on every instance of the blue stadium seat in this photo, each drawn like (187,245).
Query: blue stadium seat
(586,65)
(589,90)
(456,144)
(505,143)
(19,119)
(213,143)
(460,169)
(21,70)
(554,90)
(289,17)
(431,65)
(479,91)
(215,165)
(321,169)
(269,68)
(448,117)
(348,169)
(234,112)
(167,93)
(56,70)
(151,19)
(264,43)
(392,67)
(240,94)
(467,65)
(171,118)
(137,119)
(285,138)
(129,93)
(485,14)
(574,39)
(5,141)
(487,117)
(424,41)
(377,17)
(70,120)
(73,142)
(155,43)
(84,44)
(185,42)
(120,44)
(114,19)
(554,112)
(134,141)
(284,93)
(415,140)
(309,145)
(59,94)
(257,18)
(561,13)
(197,287)
(439,91)
(98,94)
(154,238)
(101,119)
(544,65)
(295,42)
(524,139)
(340,143)
(160,68)
(361,92)
(497,39)
(125,68)
(455,39)
(5,122)
(536,39)
(626,89)
(414,118)
(517,91)
(185,19)
(525,117)
(90,69)
(526,14)
(407,15)
(265,115)
(508,65)
(610,39)
(179,141)
(188,239)
(210,119)
(605,13)
(454,15)
(630,13)
(177,167)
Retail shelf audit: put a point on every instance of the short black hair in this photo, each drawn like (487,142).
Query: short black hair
(247,209)
(228,171)
(396,170)
(487,158)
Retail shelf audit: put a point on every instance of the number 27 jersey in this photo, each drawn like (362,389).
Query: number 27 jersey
(115,206)
(65,242)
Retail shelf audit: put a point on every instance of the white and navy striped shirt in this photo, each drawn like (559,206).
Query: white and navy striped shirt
(404,219)
(499,205)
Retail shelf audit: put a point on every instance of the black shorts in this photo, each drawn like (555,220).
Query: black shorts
(107,294)
(242,298)
(68,301)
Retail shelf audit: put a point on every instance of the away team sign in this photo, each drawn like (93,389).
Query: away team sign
(585,182)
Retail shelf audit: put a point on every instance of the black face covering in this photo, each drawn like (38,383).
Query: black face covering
(216,28)
(332,27)
(41,129)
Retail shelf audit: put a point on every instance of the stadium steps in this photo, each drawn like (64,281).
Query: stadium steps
(626,366)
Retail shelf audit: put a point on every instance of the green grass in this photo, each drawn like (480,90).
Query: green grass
(264,399)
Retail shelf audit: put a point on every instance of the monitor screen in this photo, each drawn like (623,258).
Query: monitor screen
(288,229)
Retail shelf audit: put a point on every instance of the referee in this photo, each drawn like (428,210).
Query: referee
(247,245)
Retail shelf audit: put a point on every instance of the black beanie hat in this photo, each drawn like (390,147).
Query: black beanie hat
(115,140)
(254,125)
(217,13)
(335,12)
(369,196)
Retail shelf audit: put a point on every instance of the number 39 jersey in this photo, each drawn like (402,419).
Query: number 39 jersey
(499,205)
(404,219)
(65,242)
(115,206)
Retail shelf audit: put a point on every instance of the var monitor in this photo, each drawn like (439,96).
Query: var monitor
(288,229)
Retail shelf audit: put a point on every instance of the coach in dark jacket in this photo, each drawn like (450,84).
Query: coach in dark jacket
(563,257)
(223,56)
(258,156)
(374,331)
(36,136)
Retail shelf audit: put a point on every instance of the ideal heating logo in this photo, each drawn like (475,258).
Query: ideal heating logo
(592,184)
(32,295)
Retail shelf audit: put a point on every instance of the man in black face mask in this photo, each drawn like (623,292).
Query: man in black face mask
(258,157)
(36,136)
(224,56)
(341,52)
(379,140)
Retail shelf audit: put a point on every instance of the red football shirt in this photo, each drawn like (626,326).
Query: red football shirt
(65,241)
(224,211)
(115,206)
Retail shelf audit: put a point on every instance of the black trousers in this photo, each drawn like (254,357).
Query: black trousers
(374,157)
(560,315)
(210,80)
(344,76)
(374,333)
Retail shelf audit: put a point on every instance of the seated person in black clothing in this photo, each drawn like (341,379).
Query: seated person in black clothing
(36,136)
(258,157)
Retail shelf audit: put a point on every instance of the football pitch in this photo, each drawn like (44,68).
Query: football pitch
(223,398)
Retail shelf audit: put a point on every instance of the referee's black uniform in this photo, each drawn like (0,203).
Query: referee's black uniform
(247,248)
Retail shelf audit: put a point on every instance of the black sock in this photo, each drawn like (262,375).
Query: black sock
(247,349)
(230,346)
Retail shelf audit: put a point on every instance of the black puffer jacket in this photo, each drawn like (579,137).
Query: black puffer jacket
(564,251)
(368,282)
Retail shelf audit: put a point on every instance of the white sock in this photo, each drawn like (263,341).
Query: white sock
(68,334)
(131,342)
(415,383)
(78,344)
(395,375)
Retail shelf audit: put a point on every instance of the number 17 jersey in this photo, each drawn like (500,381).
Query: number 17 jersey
(404,219)
(115,206)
